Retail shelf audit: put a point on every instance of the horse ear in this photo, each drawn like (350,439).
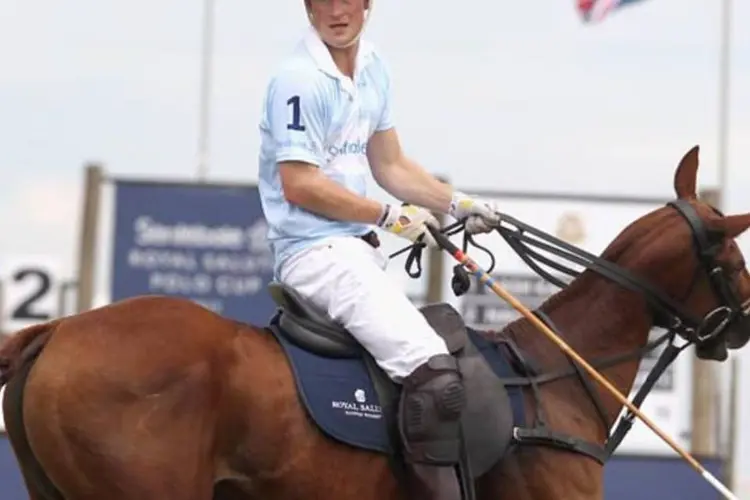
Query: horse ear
(685,177)
(735,225)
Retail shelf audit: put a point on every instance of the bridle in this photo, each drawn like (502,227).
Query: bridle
(668,313)
(730,308)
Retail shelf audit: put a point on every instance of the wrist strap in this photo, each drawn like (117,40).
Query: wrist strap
(455,200)
(384,216)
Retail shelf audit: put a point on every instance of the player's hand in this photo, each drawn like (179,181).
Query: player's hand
(408,221)
(481,215)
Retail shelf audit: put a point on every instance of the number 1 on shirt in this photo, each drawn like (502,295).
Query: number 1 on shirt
(295,124)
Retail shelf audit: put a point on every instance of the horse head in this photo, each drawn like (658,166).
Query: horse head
(688,249)
(722,291)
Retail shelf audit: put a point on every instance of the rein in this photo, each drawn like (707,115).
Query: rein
(667,313)
(415,255)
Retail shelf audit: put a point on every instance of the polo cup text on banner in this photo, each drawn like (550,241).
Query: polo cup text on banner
(206,243)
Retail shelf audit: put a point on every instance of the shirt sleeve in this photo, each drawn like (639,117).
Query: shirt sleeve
(297,115)
(386,118)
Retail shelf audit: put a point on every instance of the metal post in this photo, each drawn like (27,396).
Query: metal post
(704,407)
(89,231)
(62,297)
(732,436)
(436,264)
(205,91)
(720,201)
(2,310)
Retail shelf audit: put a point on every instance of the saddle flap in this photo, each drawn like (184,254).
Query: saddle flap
(447,322)
(491,409)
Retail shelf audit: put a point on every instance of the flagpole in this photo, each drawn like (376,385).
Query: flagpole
(724,88)
(722,165)
(204,122)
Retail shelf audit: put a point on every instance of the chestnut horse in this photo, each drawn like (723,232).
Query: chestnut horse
(157,398)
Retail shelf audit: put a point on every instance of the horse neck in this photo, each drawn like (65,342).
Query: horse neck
(598,319)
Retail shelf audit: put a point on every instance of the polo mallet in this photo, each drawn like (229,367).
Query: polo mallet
(487,280)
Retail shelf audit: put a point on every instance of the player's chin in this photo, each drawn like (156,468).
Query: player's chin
(340,37)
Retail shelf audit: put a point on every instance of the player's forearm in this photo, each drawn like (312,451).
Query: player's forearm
(411,183)
(324,197)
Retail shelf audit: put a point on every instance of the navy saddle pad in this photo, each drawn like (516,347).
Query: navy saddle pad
(340,396)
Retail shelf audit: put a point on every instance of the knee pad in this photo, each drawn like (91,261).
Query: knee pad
(432,401)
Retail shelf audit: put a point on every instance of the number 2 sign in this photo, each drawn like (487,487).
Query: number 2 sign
(30,289)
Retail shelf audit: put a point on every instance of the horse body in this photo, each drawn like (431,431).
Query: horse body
(207,398)
(159,398)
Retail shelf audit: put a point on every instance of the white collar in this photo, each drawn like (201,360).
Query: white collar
(322,57)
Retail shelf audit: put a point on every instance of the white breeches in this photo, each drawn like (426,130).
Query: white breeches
(346,277)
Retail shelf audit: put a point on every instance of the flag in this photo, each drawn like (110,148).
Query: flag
(594,11)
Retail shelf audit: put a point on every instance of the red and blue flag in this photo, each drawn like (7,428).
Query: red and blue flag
(593,11)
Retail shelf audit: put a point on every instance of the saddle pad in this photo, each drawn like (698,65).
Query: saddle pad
(503,368)
(340,397)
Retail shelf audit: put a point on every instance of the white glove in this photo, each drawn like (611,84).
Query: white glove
(481,215)
(408,221)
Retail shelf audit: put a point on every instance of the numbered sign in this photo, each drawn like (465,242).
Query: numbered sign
(30,291)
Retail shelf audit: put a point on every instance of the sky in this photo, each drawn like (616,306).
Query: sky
(513,96)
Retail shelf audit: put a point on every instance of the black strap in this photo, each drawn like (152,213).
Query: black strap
(600,364)
(669,354)
(465,476)
(415,249)
(602,267)
(582,376)
(371,238)
(34,472)
(542,436)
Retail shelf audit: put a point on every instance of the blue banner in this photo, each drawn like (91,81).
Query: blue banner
(625,478)
(660,478)
(203,242)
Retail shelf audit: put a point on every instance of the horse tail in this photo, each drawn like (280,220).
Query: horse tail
(22,347)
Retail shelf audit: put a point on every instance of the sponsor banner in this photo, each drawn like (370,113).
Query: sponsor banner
(661,478)
(590,225)
(625,478)
(204,242)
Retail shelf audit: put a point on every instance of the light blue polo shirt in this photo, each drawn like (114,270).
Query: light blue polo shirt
(313,113)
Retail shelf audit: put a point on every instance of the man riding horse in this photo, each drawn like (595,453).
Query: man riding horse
(326,119)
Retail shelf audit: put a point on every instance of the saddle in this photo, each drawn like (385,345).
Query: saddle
(488,420)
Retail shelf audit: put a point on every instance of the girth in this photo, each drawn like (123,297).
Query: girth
(540,434)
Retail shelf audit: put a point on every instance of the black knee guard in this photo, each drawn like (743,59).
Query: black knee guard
(430,411)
